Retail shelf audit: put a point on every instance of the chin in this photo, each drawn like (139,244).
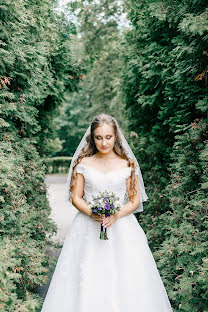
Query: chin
(104,151)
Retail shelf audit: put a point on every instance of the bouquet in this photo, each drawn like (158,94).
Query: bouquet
(104,203)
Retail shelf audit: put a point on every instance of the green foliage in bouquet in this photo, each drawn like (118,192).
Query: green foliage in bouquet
(165,90)
(34,75)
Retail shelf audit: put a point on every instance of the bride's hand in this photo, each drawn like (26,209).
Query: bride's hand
(97,217)
(108,221)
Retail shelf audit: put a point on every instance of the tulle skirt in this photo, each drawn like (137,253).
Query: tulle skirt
(114,275)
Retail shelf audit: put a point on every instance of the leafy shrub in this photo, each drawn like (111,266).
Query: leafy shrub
(36,62)
(58,164)
(165,91)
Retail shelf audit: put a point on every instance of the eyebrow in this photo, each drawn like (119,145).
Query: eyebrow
(104,135)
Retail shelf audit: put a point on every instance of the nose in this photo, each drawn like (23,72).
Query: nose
(104,143)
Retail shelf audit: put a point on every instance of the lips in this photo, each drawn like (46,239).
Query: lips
(104,148)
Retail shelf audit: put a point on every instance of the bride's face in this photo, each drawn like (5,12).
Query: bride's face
(104,138)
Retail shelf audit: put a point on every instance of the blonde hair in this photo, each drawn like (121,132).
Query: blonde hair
(90,148)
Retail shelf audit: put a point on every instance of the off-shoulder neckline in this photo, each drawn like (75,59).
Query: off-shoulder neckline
(104,173)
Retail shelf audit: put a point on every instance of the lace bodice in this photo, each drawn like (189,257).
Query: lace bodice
(97,181)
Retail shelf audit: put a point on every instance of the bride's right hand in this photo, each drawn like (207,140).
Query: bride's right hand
(97,217)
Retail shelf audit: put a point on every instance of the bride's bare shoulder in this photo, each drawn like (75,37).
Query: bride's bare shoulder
(123,162)
(86,160)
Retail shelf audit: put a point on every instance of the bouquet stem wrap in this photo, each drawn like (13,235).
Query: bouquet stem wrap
(103,233)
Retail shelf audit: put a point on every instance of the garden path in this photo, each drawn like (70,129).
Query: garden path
(62,213)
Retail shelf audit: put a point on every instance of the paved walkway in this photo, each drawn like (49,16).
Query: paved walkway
(61,212)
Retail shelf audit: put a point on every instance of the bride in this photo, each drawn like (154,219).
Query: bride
(114,275)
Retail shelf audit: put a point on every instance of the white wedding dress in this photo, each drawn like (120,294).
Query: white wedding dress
(115,275)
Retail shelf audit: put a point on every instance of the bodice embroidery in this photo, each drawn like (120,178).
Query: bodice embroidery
(97,181)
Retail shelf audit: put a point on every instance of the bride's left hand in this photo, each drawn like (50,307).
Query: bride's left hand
(108,221)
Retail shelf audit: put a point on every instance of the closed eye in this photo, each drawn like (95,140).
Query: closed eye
(108,137)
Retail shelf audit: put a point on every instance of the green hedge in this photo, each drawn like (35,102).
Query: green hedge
(165,91)
(34,76)
(57,164)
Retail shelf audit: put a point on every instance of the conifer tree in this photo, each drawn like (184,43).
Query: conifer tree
(34,75)
(96,46)
(165,90)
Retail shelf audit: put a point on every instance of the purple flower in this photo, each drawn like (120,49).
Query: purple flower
(112,206)
(100,208)
(107,206)
(106,199)
(94,210)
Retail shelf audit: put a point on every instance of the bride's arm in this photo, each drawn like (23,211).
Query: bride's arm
(134,202)
(78,202)
(77,192)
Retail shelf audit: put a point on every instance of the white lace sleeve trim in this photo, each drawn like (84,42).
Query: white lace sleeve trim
(80,169)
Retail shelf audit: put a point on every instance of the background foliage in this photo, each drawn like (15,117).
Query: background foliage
(96,46)
(58,164)
(150,72)
(165,90)
(35,68)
